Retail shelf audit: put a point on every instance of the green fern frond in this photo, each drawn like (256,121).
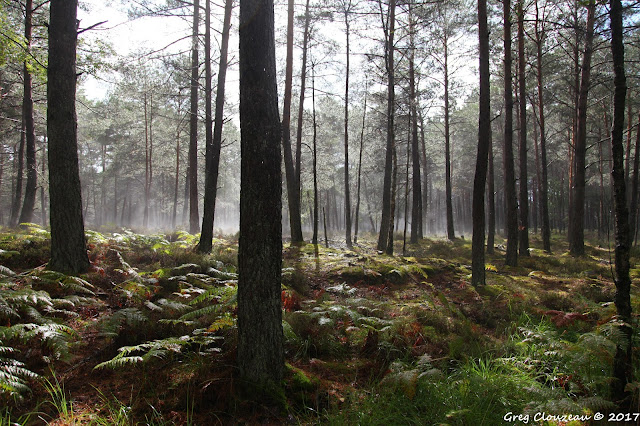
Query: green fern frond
(76,300)
(202,312)
(13,374)
(173,305)
(33,315)
(6,312)
(223,322)
(177,322)
(596,403)
(6,272)
(225,293)
(152,306)
(124,318)
(119,362)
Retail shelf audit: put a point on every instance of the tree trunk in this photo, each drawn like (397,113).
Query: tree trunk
(17,194)
(394,189)
(511,213)
(315,160)
(576,237)
(627,157)
(347,192)
(68,248)
(491,234)
(215,145)
(194,217)
(147,172)
(406,189)
(416,205)
(293,187)
(174,213)
(484,140)
(447,145)
(633,208)
(601,215)
(387,209)
(364,119)
(622,364)
(425,176)
(260,340)
(30,188)
(43,202)
(523,237)
(544,179)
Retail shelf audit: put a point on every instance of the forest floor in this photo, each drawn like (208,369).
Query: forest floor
(149,335)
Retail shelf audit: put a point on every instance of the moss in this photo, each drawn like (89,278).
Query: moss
(298,380)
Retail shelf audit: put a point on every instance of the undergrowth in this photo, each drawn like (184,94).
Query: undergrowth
(369,339)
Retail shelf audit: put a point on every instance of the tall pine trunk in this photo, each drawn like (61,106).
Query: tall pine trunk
(576,235)
(386,223)
(314,239)
(511,213)
(544,178)
(347,191)
(260,339)
(447,144)
(293,186)
(213,154)
(68,248)
(491,232)
(633,207)
(416,205)
(17,193)
(523,238)
(194,217)
(484,139)
(359,183)
(622,364)
(30,188)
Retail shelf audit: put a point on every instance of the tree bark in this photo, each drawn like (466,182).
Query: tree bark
(416,205)
(406,188)
(523,237)
(484,139)
(315,160)
(347,192)
(544,181)
(260,339)
(622,364)
(30,188)
(357,215)
(194,217)
(511,213)
(43,203)
(213,156)
(447,144)
(633,207)
(576,237)
(147,162)
(491,233)
(387,213)
(17,194)
(68,248)
(293,187)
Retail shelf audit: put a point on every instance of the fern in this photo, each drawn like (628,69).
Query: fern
(215,294)
(14,376)
(158,349)
(55,337)
(199,313)
(128,318)
(4,271)
(171,305)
